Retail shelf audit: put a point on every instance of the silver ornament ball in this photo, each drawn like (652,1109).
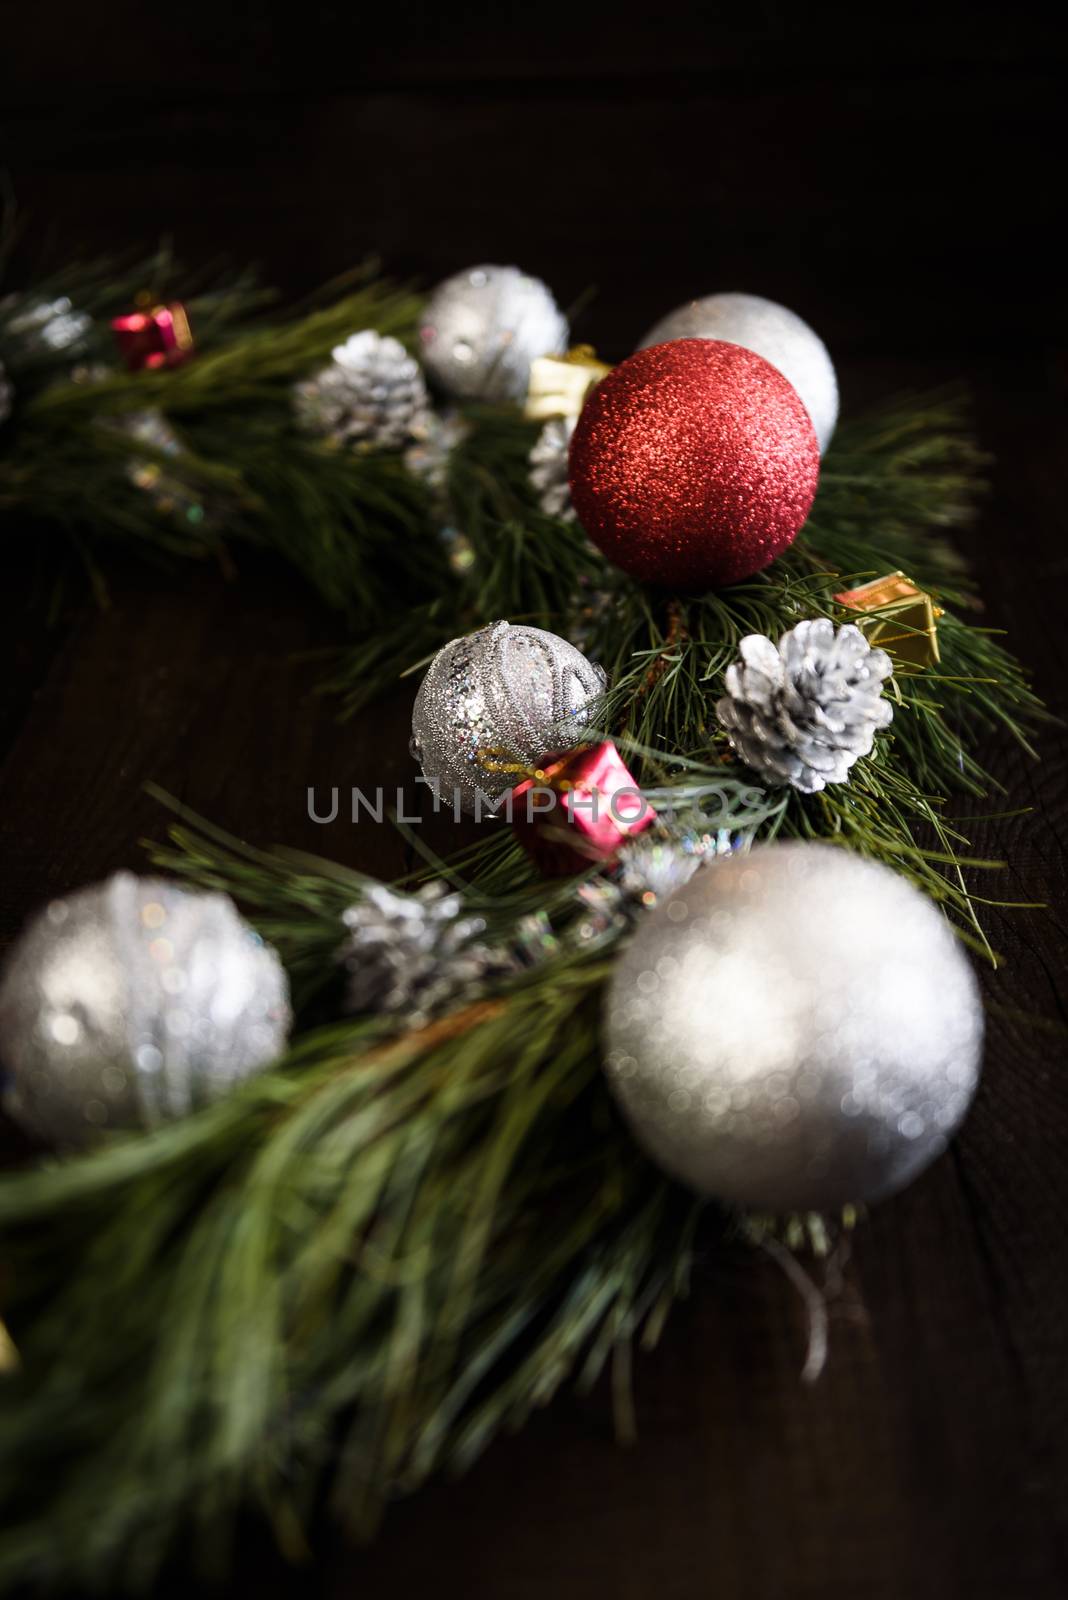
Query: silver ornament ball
(132,1003)
(772,331)
(482,328)
(794,1029)
(509,689)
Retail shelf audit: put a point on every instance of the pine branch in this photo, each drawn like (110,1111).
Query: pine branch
(357,527)
(889,487)
(422,1232)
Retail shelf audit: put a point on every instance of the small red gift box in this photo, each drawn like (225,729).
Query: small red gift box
(578,810)
(156,338)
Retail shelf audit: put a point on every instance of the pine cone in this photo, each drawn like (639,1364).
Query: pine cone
(548,468)
(36,328)
(372,396)
(7,394)
(802,713)
(417,953)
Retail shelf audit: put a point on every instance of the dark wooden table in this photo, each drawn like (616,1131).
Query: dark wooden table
(897,190)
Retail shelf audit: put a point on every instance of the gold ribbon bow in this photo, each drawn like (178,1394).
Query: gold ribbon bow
(558,385)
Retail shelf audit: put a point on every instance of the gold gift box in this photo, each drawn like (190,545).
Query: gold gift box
(559,384)
(906,621)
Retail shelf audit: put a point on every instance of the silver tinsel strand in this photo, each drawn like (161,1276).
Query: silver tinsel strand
(419,953)
(646,871)
(548,468)
(427,458)
(372,396)
(170,495)
(803,712)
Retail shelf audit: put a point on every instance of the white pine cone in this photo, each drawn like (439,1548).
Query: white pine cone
(44,327)
(803,712)
(417,953)
(7,393)
(372,396)
(548,468)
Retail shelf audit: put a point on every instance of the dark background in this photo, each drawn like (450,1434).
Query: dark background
(896,179)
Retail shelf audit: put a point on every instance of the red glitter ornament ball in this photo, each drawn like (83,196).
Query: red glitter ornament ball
(693,464)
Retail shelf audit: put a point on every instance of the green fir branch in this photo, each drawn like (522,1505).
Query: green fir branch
(358,527)
(414,1235)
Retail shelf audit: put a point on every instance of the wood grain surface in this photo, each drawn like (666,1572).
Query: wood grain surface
(898,187)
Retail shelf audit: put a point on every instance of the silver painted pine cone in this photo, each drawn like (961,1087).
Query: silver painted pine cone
(33,329)
(419,953)
(548,468)
(804,711)
(372,396)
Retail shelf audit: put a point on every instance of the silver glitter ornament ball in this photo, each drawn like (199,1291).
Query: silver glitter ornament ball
(482,328)
(794,1029)
(506,688)
(772,331)
(132,1003)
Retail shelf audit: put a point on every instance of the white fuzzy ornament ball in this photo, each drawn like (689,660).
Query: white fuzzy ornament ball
(507,688)
(482,328)
(132,1003)
(772,331)
(794,1029)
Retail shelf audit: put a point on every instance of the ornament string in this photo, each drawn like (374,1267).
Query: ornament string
(489,760)
(815,1304)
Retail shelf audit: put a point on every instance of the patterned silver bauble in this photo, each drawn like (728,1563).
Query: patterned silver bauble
(7,394)
(482,328)
(804,711)
(132,1003)
(372,396)
(514,690)
(771,331)
(795,1029)
(549,465)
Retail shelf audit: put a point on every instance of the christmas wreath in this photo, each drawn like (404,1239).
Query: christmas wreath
(344,1188)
